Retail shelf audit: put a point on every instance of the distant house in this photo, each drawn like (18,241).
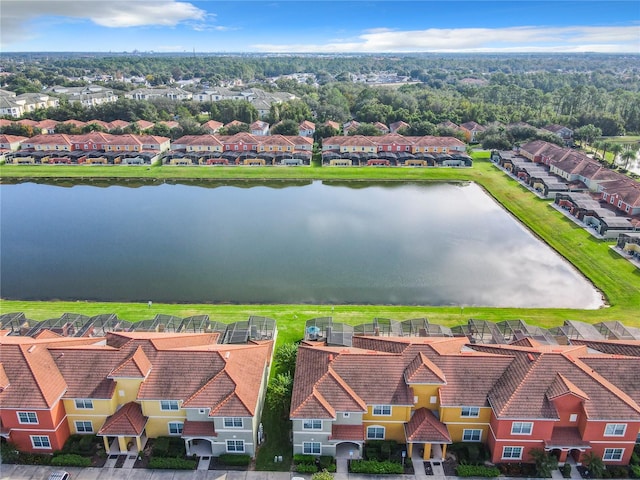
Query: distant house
(212,126)
(16,106)
(144,125)
(259,128)
(471,131)
(565,133)
(381,127)
(395,126)
(350,126)
(306,129)
(151,93)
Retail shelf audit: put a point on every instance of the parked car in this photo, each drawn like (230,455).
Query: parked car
(59,475)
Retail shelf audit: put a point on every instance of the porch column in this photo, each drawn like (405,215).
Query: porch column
(426,455)
(409,449)
(444,450)
(105,439)
(122,444)
(139,443)
(563,456)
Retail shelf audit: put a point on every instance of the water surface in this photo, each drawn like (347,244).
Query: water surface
(441,244)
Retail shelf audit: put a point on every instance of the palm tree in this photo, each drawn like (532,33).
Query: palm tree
(596,145)
(616,149)
(604,145)
(628,154)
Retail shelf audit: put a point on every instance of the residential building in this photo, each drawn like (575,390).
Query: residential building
(259,128)
(306,129)
(16,106)
(471,131)
(395,126)
(564,399)
(150,93)
(565,133)
(127,387)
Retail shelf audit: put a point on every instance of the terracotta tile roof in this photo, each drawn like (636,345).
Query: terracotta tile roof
(33,381)
(347,432)
(46,333)
(424,371)
(616,347)
(4,379)
(566,437)
(307,125)
(198,429)
(562,386)
(45,124)
(135,366)
(424,427)
(11,138)
(522,391)
(471,126)
(127,421)
(75,123)
(118,124)
(213,125)
(620,371)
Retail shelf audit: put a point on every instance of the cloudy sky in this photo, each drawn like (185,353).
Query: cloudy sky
(320,26)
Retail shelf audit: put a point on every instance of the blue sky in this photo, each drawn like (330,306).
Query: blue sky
(320,26)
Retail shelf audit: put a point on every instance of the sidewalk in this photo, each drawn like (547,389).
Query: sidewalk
(31,472)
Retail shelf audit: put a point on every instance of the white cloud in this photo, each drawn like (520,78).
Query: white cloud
(18,14)
(511,39)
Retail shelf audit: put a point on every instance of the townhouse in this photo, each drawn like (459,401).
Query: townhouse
(428,392)
(17,105)
(151,93)
(128,387)
(471,131)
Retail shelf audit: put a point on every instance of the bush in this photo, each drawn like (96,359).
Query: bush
(160,447)
(635,471)
(306,468)
(33,459)
(376,468)
(301,458)
(70,460)
(9,452)
(476,471)
(566,470)
(235,459)
(469,452)
(167,463)
(326,461)
(324,475)
(618,471)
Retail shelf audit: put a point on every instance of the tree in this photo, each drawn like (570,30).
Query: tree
(285,127)
(279,393)
(605,147)
(366,129)
(594,464)
(628,155)
(324,131)
(545,463)
(615,149)
(587,133)
(285,357)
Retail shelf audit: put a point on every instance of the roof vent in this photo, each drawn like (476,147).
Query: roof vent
(31,348)
(227,354)
(530,357)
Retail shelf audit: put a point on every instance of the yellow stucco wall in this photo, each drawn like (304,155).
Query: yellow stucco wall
(158,423)
(453,415)
(424,394)
(96,415)
(127,390)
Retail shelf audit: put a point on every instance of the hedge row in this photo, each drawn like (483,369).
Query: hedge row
(476,471)
(172,463)
(70,460)
(375,467)
(235,459)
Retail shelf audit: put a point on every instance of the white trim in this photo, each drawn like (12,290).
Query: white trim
(312,452)
(75,424)
(384,432)
(33,445)
(28,415)
(614,427)
(382,407)
(613,459)
(473,430)
(522,424)
(511,457)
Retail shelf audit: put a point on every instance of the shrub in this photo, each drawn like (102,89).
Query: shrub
(306,468)
(33,459)
(566,470)
(635,471)
(635,458)
(375,467)
(86,443)
(476,471)
(235,459)
(301,458)
(9,452)
(160,447)
(326,461)
(618,471)
(71,460)
(324,475)
(469,452)
(168,463)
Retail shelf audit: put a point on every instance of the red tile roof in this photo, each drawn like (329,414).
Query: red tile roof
(565,437)
(198,429)
(127,421)
(424,427)
(354,433)
(136,366)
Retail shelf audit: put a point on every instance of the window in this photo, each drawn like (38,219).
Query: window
(175,428)
(615,429)
(375,433)
(312,424)
(346,414)
(573,417)
(84,427)
(511,453)
(613,453)
(27,417)
(470,412)
(84,403)
(471,435)
(168,405)
(233,422)
(40,441)
(619,203)
(382,410)
(433,399)
(521,428)
(311,448)
(235,445)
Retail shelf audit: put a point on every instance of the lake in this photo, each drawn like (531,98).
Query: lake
(386,243)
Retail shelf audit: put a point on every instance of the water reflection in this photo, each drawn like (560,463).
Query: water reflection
(438,244)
